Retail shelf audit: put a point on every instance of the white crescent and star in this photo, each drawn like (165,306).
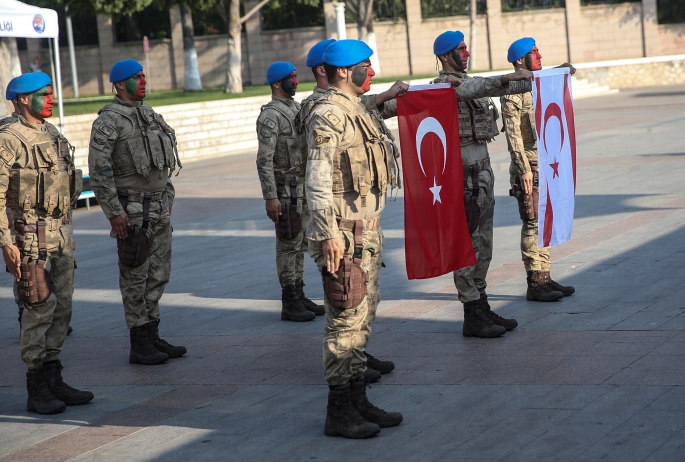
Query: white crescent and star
(431,125)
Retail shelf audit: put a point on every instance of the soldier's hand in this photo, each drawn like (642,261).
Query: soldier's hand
(12,258)
(527,182)
(520,74)
(273,209)
(399,88)
(333,251)
(570,67)
(119,224)
(452,80)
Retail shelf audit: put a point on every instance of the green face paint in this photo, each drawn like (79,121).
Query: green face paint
(131,85)
(42,101)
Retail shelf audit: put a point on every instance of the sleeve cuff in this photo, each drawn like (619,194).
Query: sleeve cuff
(6,240)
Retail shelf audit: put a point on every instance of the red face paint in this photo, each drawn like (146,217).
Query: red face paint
(366,86)
(294,77)
(463,54)
(140,89)
(43,102)
(535,59)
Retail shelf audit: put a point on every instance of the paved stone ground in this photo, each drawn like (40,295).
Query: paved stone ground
(598,376)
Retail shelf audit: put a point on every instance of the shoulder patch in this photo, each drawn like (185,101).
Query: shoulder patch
(332,118)
(321,139)
(270,123)
(105,129)
(6,155)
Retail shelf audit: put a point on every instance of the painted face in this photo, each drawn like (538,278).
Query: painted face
(460,55)
(42,101)
(135,85)
(533,60)
(362,76)
(290,83)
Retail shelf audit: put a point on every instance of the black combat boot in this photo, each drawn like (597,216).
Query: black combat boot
(69,330)
(41,399)
(293,309)
(376,364)
(309,305)
(368,411)
(342,419)
(371,375)
(540,291)
(142,350)
(508,324)
(566,290)
(162,345)
(71,396)
(477,324)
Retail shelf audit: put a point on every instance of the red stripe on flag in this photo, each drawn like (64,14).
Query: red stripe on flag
(549,222)
(538,107)
(570,125)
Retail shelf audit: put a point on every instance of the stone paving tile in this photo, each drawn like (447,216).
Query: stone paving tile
(618,404)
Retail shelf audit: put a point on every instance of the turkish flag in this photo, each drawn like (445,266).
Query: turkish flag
(555,126)
(437,239)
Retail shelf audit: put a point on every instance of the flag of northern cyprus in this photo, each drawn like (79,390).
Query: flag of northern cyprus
(555,126)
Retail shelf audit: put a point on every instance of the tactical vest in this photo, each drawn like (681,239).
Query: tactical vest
(153,143)
(364,162)
(528,133)
(289,157)
(477,118)
(49,180)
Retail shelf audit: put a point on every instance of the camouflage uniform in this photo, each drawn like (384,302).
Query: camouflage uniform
(347,176)
(39,186)
(477,127)
(133,151)
(9,119)
(280,158)
(519,124)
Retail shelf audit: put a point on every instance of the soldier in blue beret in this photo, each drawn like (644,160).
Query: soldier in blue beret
(40,254)
(347,176)
(280,165)
(477,127)
(131,157)
(519,125)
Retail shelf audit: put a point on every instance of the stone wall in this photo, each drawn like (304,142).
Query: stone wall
(636,75)
(672,38)
(611,31)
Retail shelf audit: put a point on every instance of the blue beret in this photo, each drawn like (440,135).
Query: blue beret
(124,69)
(9,94)
(315,55)
(346,53)
(447,41)
(278,71)
(520,48)
(28,83)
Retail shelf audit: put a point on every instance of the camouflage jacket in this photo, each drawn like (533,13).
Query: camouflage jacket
(132,149)
(348,163)
(519,125)
(37,176)
(281,154)
(477,113)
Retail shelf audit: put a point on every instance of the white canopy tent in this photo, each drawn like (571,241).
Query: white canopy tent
(18,19)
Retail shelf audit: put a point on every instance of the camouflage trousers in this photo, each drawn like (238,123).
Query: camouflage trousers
(44,325)
(534,258)
(347,331)
(470,281)
(290,253)
(142,287)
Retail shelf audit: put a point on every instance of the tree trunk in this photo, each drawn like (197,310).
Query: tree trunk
(191,81)
(234,79)
(5,75)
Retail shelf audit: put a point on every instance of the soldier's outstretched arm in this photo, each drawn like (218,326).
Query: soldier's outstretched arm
(267,134)
(325,127)
(10,252)
(499,85)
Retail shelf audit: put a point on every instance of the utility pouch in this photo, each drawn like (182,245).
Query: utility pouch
(134,249)
(347,288)
(290,222)
(35,285)
(471,198)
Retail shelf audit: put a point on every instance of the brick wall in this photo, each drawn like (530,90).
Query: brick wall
(548,27)
(672,38)
(611,31)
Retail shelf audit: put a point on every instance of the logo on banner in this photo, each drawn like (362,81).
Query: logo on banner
(38,24)
(431,125)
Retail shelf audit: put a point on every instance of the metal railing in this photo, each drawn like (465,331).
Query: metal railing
(390,10)
(670,11)
(442,8)
(523,5)
(604,2)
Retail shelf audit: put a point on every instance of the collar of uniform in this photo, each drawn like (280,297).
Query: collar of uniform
(353,98)
(37,127)
(288,101)
(118,100)
(461,75)
(319,90)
